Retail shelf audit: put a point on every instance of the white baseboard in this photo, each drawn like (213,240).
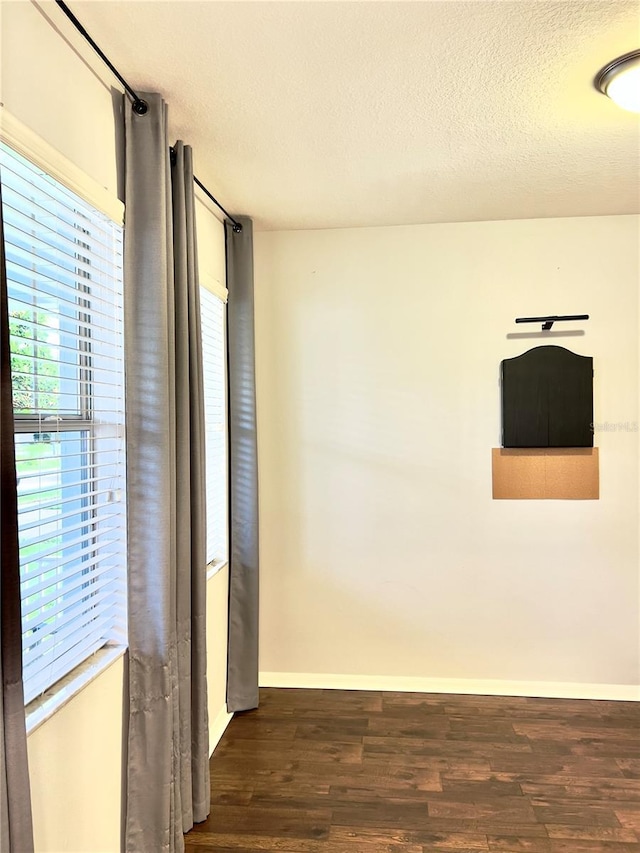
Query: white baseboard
(481,687)
(217,728)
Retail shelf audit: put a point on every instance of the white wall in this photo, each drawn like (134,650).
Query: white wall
(382,552)
(217,622)
(76,756)
(64,97)
(74,763)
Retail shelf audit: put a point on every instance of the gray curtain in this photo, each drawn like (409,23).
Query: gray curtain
(242,672)
(168,742)
(16,832)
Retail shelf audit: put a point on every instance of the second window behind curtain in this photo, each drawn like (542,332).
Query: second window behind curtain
(214,358)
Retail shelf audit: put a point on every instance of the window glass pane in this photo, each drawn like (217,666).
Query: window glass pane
(45,360)
(55,513)
(64,271)
(214,370)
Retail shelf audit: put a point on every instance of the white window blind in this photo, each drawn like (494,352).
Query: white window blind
(214,357)
(64,271)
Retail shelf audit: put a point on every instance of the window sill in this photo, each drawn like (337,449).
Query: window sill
(45,706)
(215,566)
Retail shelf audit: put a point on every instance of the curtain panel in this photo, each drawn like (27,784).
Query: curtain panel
(168,742)
(16,828)
(242,668)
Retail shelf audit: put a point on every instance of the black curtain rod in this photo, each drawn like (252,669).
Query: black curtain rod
(547,322)
(139,106)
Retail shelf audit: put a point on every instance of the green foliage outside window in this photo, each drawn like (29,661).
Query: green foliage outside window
(35,372)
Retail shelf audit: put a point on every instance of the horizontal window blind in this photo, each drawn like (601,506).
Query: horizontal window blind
(64,272)
(214,357)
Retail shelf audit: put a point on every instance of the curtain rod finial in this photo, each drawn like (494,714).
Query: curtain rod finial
(237,228)
(140,107)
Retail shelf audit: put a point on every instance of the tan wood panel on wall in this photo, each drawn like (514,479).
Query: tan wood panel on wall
(567,473)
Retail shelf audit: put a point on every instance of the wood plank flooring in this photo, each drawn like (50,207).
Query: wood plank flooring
(336,771)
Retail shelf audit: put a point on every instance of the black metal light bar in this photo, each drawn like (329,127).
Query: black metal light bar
(139,105)
(547,322)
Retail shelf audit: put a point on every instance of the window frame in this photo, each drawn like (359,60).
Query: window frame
(41,154)
(210,283)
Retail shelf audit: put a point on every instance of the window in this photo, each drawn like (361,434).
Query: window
(214,357)
(64,271)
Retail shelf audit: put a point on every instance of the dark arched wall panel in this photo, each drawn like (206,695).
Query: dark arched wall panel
(547,399)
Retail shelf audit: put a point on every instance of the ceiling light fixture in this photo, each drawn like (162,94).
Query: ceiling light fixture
(620,81)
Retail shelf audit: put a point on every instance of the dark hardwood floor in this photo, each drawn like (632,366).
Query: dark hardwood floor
(332,771)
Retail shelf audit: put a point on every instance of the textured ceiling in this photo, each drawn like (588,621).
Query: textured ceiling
(330,114)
